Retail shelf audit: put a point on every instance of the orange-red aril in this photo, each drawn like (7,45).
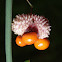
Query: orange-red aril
(19,41)
(42,44)
(29,38)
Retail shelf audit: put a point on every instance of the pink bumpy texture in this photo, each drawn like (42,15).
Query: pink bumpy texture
(26,23)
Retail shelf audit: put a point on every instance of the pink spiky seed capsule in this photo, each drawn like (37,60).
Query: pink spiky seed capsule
(31,23)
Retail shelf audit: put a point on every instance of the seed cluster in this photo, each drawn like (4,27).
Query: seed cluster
(22,22)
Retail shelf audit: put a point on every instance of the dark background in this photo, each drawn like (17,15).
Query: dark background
(51,9)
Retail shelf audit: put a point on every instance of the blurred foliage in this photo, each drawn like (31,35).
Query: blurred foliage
(51,9)
(27,61)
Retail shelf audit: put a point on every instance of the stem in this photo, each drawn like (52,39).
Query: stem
(29,3)
(8,18)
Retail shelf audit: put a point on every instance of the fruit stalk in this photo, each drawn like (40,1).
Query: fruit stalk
(29,4)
